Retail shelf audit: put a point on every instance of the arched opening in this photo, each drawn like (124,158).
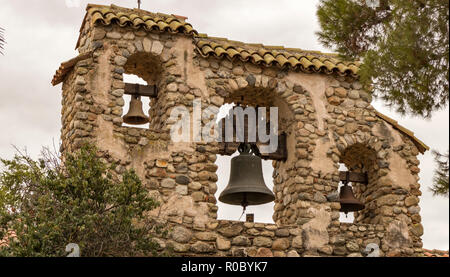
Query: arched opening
(361,159)
(134,79)
(350,217)
(142,70)
(252,97)
(146,66)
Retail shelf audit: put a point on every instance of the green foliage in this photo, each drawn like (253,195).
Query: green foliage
(48,204)
(403,45)
(350,27)
(441,174)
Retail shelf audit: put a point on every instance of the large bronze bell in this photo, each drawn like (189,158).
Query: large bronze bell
(246,185)
(135,114)
(348,201)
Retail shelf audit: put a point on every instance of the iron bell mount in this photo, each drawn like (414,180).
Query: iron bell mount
(246,185)
(135,115)
(347,199)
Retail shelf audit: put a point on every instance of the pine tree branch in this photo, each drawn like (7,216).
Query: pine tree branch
(441,174)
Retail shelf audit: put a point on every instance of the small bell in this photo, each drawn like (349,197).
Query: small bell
(135,115)
(246,185)
(348,201)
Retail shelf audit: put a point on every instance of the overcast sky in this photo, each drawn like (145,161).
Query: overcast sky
(42,33)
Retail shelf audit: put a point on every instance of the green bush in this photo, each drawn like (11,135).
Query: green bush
(47,204)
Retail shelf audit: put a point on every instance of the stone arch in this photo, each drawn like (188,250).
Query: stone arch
(145,65)
(148,57)
(258,90)
(360,158)
(367,154)
(150,68)
(254,96)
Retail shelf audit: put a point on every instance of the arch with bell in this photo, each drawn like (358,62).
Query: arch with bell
(246,185)
(363,164)
(149,68)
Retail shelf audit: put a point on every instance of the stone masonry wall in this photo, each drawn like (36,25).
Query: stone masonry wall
(225,238)
(328,120)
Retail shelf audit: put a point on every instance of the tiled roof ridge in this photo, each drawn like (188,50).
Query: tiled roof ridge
(135,10)
(67,66)
(435,253)
(257,53)
(272,47)
(293,58)
(136,18)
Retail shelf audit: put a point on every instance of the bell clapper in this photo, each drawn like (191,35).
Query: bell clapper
(243,211)
(244,205)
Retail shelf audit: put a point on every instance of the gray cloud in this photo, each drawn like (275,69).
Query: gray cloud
(42,34)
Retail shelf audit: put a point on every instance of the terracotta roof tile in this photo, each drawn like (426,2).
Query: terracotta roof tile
(435,253)
(67,66)
(136,18)
(292,58)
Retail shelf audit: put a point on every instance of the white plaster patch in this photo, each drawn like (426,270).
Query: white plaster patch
(192,74)
(397,235)
(315,231)
(399,172)
(101,84)
(320,161)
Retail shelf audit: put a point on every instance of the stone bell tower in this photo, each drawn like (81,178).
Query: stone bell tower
(324,115)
